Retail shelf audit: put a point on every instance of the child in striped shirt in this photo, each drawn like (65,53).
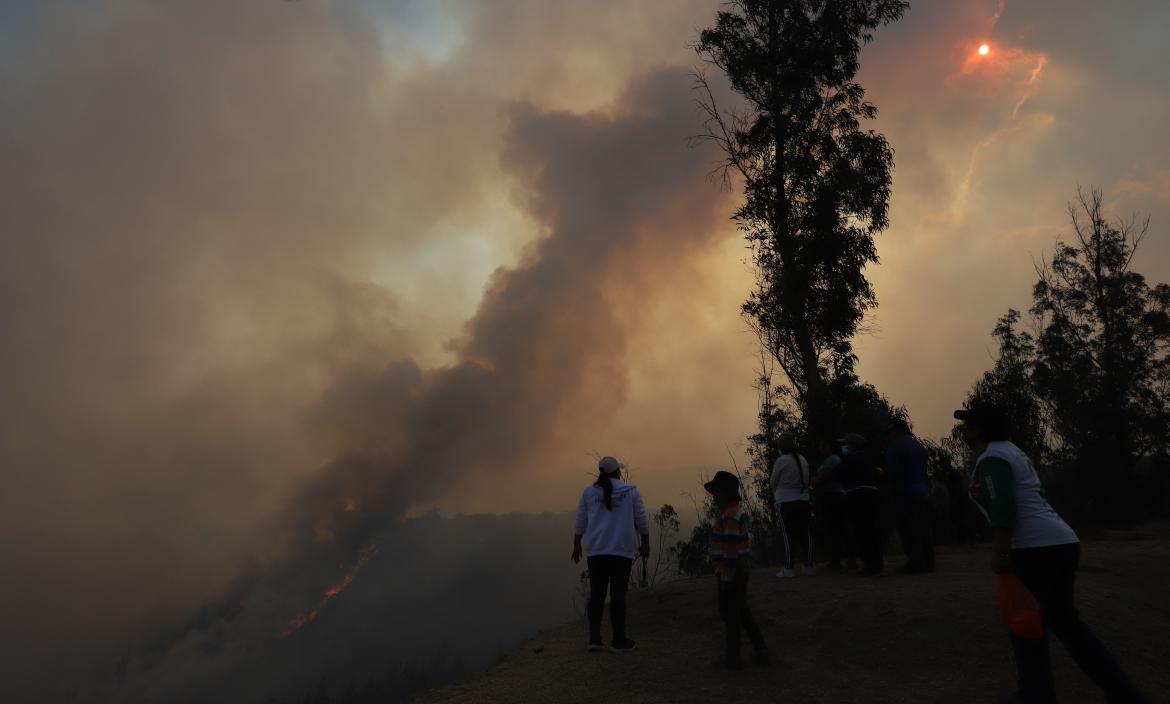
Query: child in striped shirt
(731,547)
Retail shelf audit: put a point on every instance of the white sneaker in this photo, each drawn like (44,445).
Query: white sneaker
(786,573)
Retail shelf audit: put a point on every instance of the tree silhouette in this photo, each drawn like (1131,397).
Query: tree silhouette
(1102,365)
(772,419)
(667,525)
(1089,387)
(1008,385)
(816,184)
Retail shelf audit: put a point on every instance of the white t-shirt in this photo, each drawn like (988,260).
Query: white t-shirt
(790,478)
(1037,524)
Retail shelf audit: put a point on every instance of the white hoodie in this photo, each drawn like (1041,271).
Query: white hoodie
(616,531)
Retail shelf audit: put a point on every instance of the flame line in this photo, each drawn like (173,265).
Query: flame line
(303,619)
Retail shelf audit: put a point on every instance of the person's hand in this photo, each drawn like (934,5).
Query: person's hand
(645,549)
(576,553)
(1001,562)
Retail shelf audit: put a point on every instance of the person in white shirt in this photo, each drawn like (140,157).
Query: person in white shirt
(790,481)
(610,518)
(1033,541)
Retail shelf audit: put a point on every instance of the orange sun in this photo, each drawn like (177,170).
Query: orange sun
(984,50)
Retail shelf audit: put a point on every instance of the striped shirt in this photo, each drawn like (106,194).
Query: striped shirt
(730,541)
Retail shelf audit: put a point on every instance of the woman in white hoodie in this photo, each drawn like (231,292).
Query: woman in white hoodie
(610,517)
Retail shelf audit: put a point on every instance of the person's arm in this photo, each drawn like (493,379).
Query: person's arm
(642,523)
(746,546)
(998,487)
(579,528)
(1001,559)
(825,472)
(741,551)
(774,477)
(714,546)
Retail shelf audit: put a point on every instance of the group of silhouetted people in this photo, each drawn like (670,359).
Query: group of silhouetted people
(843,493)
(1029,539)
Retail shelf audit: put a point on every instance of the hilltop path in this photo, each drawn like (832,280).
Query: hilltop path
(845,638)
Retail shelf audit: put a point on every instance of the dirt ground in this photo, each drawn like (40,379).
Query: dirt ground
(846,638)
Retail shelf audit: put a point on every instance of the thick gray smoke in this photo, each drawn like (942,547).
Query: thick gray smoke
(237,239)
(207,397)
(545,336)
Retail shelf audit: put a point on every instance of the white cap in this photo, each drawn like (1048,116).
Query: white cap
(609,465)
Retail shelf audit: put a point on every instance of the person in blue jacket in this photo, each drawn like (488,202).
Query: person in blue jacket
(905,467)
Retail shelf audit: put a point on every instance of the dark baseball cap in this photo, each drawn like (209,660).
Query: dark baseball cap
(987,416)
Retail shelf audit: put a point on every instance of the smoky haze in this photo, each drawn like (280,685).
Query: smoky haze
(274,275)
(209,399)
(441,596)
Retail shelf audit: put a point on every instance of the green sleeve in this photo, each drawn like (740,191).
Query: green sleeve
(998,487)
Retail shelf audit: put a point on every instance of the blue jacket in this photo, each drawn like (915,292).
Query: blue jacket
(906,467)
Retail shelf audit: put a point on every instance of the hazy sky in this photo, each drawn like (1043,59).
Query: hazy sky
(275,273)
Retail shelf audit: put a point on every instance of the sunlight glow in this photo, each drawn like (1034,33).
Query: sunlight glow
(984,50)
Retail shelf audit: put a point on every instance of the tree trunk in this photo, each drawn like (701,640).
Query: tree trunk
(817,412)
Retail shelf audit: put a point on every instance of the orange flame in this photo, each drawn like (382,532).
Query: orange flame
(301,620)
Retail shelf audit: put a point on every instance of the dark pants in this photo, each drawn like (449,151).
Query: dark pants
(796,526)
(864,506)
(833,518)
(608,573)
(733,607)
(1049,574)
(914,518)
